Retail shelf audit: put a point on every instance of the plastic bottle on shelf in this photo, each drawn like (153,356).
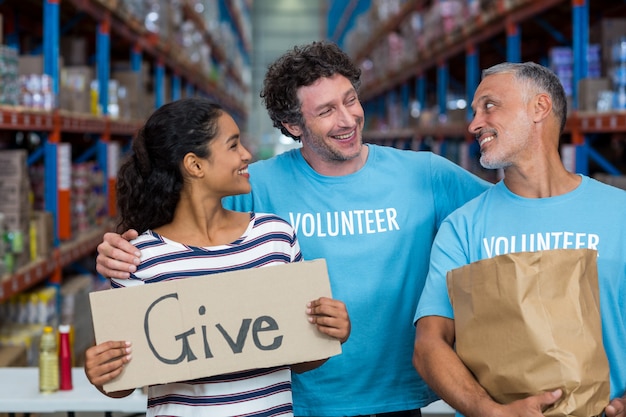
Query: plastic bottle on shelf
(65,357)
(48,361)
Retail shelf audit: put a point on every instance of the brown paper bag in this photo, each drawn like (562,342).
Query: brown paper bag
(530,322)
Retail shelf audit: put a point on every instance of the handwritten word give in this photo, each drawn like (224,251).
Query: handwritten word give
(236,344)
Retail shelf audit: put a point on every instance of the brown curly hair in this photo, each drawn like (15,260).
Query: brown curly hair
(301,67)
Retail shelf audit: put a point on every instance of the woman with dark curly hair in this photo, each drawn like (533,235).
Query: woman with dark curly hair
(186,158)
(371,211)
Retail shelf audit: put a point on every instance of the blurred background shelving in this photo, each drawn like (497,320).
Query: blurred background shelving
(421,62)
(80,76)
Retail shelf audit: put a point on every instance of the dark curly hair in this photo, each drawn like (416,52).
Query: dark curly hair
(301,67)
(150,180)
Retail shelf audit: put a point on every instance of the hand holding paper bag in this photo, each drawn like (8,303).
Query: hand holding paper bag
(529,322)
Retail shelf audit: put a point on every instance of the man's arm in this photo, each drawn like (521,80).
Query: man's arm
(116,256)
(436,361)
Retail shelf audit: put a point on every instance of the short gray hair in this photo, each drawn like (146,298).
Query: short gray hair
(538,79)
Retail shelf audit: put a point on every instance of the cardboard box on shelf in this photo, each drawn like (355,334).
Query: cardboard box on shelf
(32,64)
(75,88)
(74,50)
(15,190)
(13,164)
(606,32)
(79,102)
(42,238)
(15,208)
(15,194)
(17,220)
(588,92)
(13,356)
(456,116)
(148,105)
(120,67)
(132,102)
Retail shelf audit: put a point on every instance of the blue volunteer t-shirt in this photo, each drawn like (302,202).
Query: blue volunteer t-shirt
(498,222)
(375,229)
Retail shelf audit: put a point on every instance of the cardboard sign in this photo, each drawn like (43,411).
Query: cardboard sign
(198,327)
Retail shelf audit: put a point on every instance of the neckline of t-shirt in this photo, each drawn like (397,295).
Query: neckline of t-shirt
(338,178)
(237,241)
(555,200)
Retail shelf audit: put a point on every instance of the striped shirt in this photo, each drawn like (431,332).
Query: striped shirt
(268,240)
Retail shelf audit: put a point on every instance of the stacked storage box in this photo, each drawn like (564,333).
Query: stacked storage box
(610,34)
(88,201)
(16,207)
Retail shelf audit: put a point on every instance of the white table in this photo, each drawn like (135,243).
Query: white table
(19,393)
(438,407)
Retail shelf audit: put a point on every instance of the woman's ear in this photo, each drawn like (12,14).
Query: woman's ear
(193,165)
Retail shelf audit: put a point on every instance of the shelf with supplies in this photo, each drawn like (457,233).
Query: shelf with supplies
(429,55)
(439,48)
(79,79)
(37,271)
(176,49)
(164,48)
(23,118)
(592,122)
(438,130)
(578,123)
(239,13)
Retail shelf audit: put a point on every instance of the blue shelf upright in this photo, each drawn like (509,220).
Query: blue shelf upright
(443,76)
(472,78)
(513,42)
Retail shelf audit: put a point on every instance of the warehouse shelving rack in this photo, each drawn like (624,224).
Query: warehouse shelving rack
(514,30)
(59,128)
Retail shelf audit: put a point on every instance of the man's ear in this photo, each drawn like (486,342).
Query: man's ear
(542,107)
(295,130)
